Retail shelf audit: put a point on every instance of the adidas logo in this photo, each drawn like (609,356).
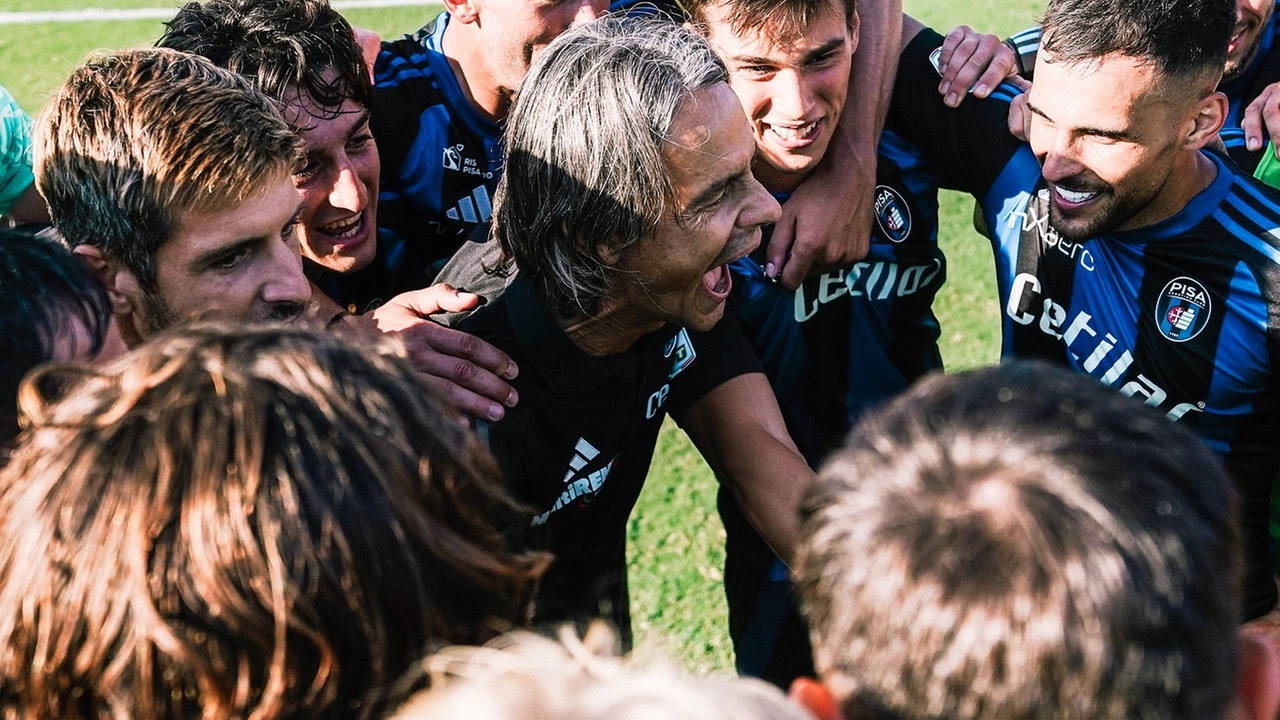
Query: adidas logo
(583,453)
(585,486)
(472,209)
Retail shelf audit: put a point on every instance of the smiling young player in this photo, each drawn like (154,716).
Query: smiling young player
(845,340)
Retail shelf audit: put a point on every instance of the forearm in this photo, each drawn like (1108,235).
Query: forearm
(739,430)
(874,66)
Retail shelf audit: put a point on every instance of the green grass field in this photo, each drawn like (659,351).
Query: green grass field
(676,541)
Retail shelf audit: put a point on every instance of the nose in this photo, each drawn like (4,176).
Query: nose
(348,192)
(285,282)
(761,209)
(791,96)
(1055,150)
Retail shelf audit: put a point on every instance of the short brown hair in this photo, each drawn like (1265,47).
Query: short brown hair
(227,523)
(785,20)
(1023,542)
(135,137)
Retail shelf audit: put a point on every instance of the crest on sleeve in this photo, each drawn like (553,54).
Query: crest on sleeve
(892,214)
(1183,309)
(680,350)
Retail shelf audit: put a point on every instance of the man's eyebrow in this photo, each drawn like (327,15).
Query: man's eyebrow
(1099,132)
(361,119)
(825,49)
(208,258)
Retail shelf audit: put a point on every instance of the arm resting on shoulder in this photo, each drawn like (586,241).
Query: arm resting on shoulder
(827,220)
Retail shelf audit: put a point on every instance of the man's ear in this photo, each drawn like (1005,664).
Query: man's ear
(1258,687)
(816,698)
(120,283)
(854,24)
(1203,127)
(464,11)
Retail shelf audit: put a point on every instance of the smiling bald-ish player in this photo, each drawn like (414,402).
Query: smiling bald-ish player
(617,312)
(1124,248)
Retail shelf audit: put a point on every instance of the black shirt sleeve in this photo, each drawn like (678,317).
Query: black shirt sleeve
(723,354)
(971,143)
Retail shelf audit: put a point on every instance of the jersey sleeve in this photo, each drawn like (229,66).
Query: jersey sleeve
(971,144)
(15,151)
(1025,46)
(722,354)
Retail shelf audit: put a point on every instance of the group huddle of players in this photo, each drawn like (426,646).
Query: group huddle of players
(770,293)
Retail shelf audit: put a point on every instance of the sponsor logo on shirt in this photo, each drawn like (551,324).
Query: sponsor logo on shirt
(1036,221)
(1183,309)
(1094,350)
(892,214)
(582,482)
(880,280)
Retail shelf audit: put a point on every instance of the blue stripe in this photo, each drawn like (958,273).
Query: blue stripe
(1245,236)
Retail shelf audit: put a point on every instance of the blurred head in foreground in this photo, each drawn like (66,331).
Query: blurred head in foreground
(528,677)
(1024,542)
(234,523)
(52,307)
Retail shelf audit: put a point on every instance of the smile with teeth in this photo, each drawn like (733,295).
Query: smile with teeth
(1074,197)
(344,229)
(792,133)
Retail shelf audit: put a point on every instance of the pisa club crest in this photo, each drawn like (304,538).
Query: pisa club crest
(892,213)
(1183,309)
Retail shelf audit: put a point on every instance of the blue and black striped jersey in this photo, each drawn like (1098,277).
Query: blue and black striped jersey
(1183,314)
(440,157)
(857,335)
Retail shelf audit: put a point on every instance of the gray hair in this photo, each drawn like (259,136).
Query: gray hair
(584,176)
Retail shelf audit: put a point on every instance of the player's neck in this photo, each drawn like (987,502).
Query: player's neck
(1192,173)
(468,60)
(613,329)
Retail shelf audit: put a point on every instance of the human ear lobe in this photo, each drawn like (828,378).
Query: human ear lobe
(1211,114)
(1258,687)
(117,280)
(816,698)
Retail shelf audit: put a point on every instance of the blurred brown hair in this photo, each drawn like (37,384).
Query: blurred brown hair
(265,523)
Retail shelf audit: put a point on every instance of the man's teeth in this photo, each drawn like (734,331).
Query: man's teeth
(799,132)
(343,229)
(1073,196)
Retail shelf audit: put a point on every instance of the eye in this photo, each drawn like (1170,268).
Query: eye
(823,60)
(233,259)
(757,70)
(360,140)
(306,172)
(290,231)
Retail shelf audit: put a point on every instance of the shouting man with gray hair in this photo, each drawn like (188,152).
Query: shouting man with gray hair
(616,311)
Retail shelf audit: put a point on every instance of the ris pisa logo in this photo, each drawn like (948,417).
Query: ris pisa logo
(453,158)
